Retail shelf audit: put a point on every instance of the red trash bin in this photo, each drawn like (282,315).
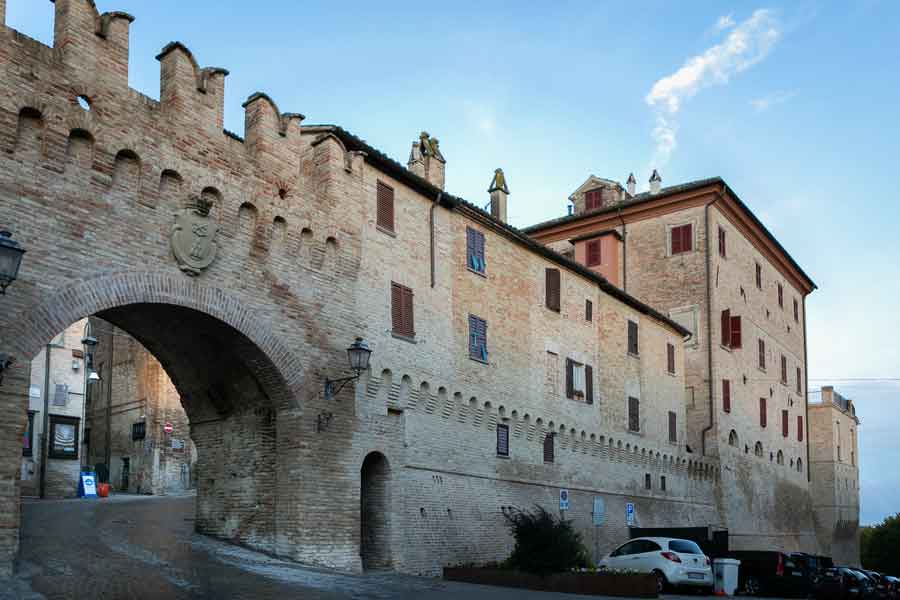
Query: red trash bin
(103,490)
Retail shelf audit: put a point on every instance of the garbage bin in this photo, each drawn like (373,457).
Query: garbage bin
(725,571)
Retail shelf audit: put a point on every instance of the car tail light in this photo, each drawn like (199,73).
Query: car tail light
(779,569)
(670,556)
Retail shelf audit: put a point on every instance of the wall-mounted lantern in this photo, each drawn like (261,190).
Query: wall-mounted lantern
(10,260)
(358,355)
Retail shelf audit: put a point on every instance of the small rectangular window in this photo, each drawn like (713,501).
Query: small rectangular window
(502,440)
(780,296)
(593,200)
(475,250)
(594,256)
(762,412)
(634,414)
(722,249)
(670,358)
(548,448)
(384,216)
(63,437)
(762,354)
(138,430)
(588,310)
(633,338)
(758,276)
(662,483)
(784,423)
(402,311)
(673,427)
(796,311)
(799,381)
(726,395)
(478,339)
(681,238)
(731,330)
(552,289)
(579,381)
(648,481)
(783,370)
(799,428)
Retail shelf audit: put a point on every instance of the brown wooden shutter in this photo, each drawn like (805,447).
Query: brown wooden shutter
(735,332)
(588,384)
(594,257)
(784,423)
(722,242)
(780,296)
(548,448)
(396,308)
(670,357)
(503,440)
(673,430)
(758,276)
(799,381)
(588,310)
(633,347)
(570,378)
(762,412)
(385,206)
(687,238)
(799,428)
(796,311)
(408,320)
(726,395)
(783,369)
(762,354)
(675,242)
(553,293)
(726,327)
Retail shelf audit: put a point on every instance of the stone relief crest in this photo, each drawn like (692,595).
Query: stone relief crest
(194,237)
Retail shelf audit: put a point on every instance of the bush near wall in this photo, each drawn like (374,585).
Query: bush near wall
(880,546)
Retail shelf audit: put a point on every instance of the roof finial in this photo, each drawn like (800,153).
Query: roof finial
(498,182)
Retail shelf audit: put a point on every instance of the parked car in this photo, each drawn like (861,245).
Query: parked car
(675,562)
(893,584)
(882,591)
(843,583)
(771,573)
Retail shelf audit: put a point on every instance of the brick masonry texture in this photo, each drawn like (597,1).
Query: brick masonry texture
(301,270)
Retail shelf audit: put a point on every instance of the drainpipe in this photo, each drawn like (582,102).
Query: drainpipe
(45,438)
(431,231)
(709,348)
(624,252)
(806,395)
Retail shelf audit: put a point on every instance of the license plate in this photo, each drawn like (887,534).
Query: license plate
(695,576)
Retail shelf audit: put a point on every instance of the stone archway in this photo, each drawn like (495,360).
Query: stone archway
(374,546)
(233,373)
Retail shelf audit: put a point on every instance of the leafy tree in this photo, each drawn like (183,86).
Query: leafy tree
(544,543)
(880,546)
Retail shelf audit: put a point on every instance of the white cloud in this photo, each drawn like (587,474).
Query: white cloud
(724,22)
(746,44)
(766,102)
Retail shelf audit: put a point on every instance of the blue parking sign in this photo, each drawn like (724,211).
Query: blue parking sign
(629,513)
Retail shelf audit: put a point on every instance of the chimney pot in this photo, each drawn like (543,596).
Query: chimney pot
(631,184)
(499,193)
(655,182)
(426,160)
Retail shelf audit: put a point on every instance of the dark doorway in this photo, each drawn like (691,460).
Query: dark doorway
(374,506)
(126,473)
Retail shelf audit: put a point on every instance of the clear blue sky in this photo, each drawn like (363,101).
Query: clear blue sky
(795,104)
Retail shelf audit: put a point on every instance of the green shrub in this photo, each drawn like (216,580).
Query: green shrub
(545,544)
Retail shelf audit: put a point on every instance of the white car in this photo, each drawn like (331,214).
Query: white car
(674,562)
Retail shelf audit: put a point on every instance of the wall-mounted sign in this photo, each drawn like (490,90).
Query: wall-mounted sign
(168,428)
(563,499)
(87,485)
(599,511)
(629,514)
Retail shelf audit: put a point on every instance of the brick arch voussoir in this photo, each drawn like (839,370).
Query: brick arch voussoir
(36,324)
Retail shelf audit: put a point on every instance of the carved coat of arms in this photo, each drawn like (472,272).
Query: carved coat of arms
(194,237)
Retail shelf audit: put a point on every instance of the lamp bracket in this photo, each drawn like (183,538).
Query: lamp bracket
(6,360)
(330,384)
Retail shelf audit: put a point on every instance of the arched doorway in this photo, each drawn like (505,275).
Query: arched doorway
(374,500)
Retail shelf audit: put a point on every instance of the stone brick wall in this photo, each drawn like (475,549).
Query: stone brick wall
(300,271)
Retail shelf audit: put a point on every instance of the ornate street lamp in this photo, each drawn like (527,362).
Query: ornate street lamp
(10,260)
(89,342)
(358,355)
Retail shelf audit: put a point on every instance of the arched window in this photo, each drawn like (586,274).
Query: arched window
(780,458)
(758,449)
(799,465)
(733,438)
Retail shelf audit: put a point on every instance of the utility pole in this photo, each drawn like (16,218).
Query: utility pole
(45,437)
(109,378)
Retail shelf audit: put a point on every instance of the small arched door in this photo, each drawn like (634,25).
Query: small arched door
(374,500)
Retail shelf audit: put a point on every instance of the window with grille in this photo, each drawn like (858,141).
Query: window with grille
(552,289)
(502,440)
(662,483)
(588,310)
(634,414)
(138,430)
(384,206)
(648,481)
(548,448)
(594,257)
(633,338)
(63,437)
(478,339)
(726,395)
(475,250)
(762,412)
(681,238)
(402,311)
(670,358)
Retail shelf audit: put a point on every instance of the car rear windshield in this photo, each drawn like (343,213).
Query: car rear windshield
(684,547)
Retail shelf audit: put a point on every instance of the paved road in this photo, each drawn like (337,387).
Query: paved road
(143,547)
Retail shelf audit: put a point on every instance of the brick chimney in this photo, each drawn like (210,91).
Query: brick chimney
(426,160)
(499,192)
(631,184)
(655,182)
